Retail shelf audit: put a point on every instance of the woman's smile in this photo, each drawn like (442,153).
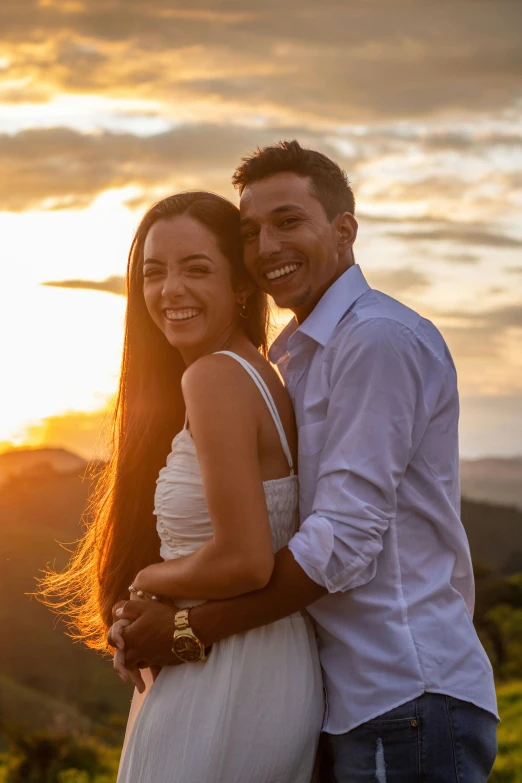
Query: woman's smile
(181,315)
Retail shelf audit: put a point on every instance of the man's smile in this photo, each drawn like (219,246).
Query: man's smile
(282,271)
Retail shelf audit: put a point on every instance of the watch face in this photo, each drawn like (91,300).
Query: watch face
(187,648)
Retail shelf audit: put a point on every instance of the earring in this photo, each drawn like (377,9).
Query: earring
(244,309)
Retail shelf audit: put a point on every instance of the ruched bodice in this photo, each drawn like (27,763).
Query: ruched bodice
(183,521)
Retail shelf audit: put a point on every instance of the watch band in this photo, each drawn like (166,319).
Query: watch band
(181,620)
(185,643)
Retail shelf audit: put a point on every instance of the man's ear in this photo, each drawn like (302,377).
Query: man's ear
(347,226)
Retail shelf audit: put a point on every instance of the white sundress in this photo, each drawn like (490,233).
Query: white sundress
(252,712)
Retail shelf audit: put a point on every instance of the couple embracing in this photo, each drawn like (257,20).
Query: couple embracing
(265,608)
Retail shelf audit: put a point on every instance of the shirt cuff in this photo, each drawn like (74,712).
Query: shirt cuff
(313,548)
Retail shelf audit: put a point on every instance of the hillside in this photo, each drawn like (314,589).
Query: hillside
(30,708)
(495,534)
(493,480)
(37,511)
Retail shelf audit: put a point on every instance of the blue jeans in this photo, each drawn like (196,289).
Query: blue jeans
(432,739)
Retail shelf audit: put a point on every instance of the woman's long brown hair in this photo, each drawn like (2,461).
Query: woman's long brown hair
(121,536)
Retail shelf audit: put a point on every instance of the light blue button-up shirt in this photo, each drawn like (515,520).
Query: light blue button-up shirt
(375,395)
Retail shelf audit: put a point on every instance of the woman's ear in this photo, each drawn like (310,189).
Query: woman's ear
(244,291)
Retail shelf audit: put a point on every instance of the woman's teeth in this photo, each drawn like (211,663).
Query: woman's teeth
(284,270)
(180,315)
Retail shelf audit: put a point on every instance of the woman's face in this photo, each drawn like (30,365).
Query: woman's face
(187,285)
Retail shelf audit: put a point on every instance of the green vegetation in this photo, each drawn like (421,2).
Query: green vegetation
(498,620)
(64,758)
(508,766)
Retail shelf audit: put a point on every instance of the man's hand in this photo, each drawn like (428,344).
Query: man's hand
(148,638)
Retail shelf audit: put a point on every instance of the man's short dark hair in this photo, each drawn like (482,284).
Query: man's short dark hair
(329,182)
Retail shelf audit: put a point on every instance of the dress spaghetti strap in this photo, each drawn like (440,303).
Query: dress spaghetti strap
(263,388)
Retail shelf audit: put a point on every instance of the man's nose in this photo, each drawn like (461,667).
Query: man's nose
(269,243)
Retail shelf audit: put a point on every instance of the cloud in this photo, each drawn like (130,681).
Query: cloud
(445,137)
(397,282)
(464,234)
(498,319)
(486,347)
(59,168)
(469,140)
(112,285)
(332,61)
(457,185)
(462,258)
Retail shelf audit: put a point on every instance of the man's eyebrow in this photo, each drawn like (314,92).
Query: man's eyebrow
(287,208)
(184,260)
(277,211)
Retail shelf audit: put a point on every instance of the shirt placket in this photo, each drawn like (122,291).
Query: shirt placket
(295,369)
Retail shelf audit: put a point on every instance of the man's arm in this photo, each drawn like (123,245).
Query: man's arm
(149,638)
(288,591)
(384,385)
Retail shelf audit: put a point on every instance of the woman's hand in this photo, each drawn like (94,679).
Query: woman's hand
(119,656)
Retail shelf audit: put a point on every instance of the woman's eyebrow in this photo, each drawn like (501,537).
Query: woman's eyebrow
(195,257)
(184,260)
(150,260)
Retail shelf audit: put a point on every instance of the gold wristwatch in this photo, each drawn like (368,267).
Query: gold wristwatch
(185,643)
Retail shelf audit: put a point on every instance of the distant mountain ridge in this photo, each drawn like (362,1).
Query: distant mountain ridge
(492,479)
(21,461)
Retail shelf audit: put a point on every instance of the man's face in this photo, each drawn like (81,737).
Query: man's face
(291,249)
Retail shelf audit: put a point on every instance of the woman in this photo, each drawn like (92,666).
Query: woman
(225,500)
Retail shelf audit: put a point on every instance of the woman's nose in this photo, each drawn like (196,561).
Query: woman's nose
(173,285)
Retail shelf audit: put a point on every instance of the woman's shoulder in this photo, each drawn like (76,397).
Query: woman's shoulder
(220,374)
(221,398)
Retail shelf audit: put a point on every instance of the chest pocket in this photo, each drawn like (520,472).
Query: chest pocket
(311,438)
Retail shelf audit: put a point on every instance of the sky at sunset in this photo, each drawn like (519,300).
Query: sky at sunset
(106,106)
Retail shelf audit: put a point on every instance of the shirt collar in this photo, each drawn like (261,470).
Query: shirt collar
(325,316)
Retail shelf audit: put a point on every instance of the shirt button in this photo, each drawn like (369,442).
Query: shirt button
(413,723)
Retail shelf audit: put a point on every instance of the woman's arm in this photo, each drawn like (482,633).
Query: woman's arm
(209,573)
(221,405)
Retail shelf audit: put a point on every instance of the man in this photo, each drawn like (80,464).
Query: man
(381,558)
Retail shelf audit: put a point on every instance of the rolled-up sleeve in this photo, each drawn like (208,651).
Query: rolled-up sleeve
(377,413)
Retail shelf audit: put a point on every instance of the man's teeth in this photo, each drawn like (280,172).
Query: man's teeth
(180,315)
(284,270)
